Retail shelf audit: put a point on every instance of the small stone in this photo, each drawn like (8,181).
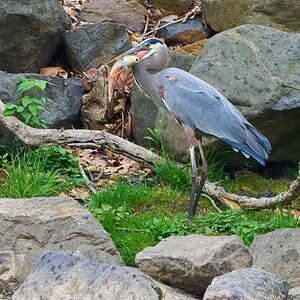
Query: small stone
(30,32)
(32,226)
(267,194)
(61,276)
(225,14)
(62,111)
(178,7)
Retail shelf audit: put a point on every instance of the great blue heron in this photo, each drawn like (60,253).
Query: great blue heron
(197,106)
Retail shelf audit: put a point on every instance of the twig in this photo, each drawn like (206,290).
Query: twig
(88,183)
(123,125)
(212,202)
(163,26)
(145,29)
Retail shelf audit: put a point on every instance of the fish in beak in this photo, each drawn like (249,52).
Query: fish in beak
(135,50)
(120,69)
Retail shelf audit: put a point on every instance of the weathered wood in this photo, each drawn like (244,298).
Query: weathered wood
(48,137)
(236,202)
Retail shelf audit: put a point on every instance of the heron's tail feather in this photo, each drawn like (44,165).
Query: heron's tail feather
(256,145)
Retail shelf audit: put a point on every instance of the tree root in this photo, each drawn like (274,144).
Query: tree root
(48,137)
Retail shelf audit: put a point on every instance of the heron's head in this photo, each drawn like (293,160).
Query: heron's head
(144,50)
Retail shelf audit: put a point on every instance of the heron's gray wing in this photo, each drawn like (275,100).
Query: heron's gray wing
(201,107)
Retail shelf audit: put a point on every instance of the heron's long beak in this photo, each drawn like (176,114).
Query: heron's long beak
(134,49)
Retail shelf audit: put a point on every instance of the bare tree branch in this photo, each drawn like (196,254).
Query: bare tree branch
(48,137)
(236,202)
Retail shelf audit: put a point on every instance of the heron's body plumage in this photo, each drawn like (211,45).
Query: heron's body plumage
(201,107)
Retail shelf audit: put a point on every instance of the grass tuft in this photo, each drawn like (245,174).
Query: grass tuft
(36,172)
(28,178)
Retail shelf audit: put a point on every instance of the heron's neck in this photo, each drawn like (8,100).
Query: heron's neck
(145,80)
(145,72)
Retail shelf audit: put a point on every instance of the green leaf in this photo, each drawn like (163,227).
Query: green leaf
(26,84)
(41,84)
(20,109)
(38,101)
(9,112)
(26,116)
(10,106)
(26,100)
(33,109)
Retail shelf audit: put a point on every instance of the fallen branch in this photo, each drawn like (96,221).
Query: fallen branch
(48,137)
(236,202)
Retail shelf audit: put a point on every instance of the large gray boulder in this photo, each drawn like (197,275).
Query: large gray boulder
(63,276)
(192,31)
(62,111)
(93,45)
(191,262)
(247,284)
(257,69)
(30,227)
(279,252)
(225,14)
(30,32)
(122,12)
(145,114)
(179,7)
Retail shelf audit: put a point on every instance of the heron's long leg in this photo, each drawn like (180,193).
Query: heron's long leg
(190,137)
(194,178)
(204,174)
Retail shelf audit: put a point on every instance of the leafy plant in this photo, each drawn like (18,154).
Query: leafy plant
(58,158)
(29,107)
(155,137)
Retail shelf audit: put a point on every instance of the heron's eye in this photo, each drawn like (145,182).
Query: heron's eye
(136,59)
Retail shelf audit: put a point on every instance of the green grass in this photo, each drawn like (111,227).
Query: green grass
(139,216)
(32,173)
(178,177)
